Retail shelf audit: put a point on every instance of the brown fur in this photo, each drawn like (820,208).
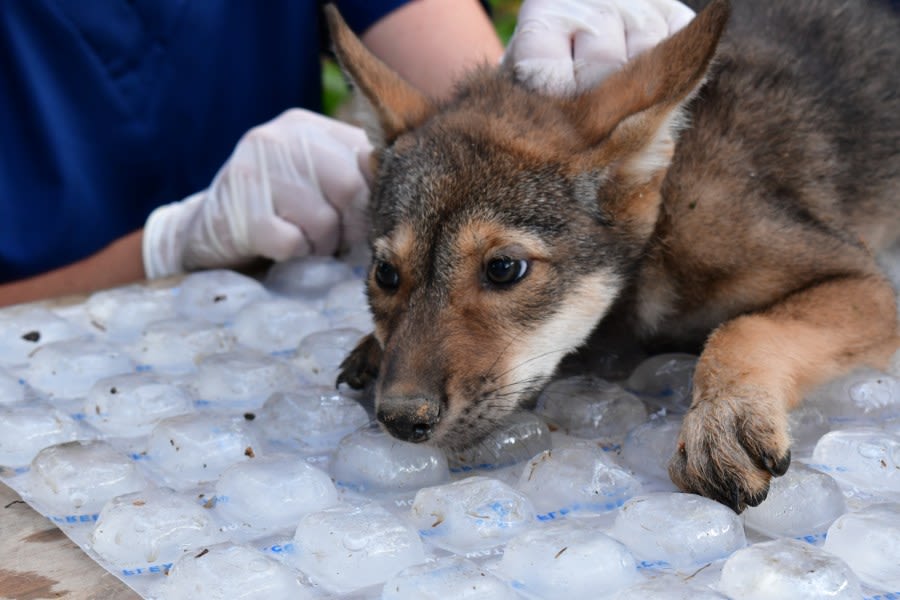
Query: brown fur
(731,203)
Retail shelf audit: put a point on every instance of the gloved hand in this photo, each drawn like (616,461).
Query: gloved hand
(565,46)
(292,187)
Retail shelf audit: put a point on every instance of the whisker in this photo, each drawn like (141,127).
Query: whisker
(531,359)
(500,355)
(501,390)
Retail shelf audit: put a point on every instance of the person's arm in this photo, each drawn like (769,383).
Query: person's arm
(431,42)
(117,264)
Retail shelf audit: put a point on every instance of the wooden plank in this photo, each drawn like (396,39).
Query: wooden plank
(38,561)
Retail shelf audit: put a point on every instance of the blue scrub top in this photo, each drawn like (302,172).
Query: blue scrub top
(110,108)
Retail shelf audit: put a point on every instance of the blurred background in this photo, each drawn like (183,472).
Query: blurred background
(335,91)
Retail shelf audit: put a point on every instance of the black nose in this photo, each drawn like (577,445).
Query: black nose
(409,419)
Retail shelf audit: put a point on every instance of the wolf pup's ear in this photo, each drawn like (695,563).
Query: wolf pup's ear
(394,105)
(634,115)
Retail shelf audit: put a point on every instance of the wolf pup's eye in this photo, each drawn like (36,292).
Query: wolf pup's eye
(506,271)
(387,276)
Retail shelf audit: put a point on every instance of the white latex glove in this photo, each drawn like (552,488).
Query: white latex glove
(566,46)
(292,187)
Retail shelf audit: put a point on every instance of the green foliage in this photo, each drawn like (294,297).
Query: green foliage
(334,87)
(504,15)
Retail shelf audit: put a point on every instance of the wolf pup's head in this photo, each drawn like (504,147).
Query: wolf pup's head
(504,225)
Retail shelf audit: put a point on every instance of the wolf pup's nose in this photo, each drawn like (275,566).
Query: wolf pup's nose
(410,419)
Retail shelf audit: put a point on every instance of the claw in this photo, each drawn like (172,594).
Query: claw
(756,499)
(736,504)
(728,494)
(342,378)
(777,467)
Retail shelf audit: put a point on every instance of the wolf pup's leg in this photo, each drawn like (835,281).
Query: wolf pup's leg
(756,367)
(360,368)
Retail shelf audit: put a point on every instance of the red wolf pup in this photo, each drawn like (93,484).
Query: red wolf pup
(726,191)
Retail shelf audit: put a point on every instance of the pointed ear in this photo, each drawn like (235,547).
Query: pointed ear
(634,115)
(394,105)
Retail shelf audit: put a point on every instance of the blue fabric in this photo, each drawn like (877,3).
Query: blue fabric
(110,108)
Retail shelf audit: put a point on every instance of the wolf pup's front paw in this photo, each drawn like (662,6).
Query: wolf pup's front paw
(360,368)
(730,447)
